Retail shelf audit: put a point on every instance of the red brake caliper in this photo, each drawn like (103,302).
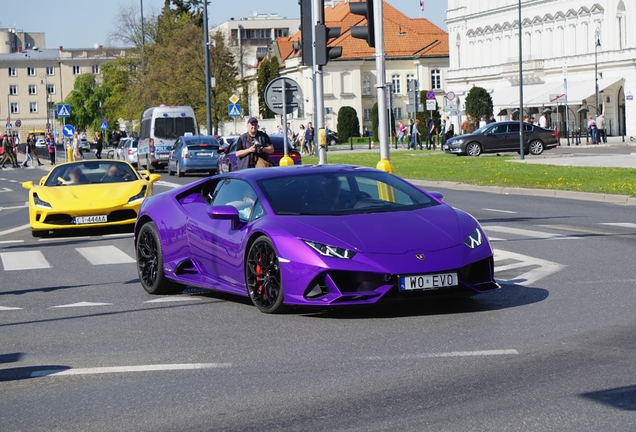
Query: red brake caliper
(259,283)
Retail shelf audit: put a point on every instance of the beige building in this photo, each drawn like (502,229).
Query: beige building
(33,79)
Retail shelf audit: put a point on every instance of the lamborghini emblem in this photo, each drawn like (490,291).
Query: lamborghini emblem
(419,256)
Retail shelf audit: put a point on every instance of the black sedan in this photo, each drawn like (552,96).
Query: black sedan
(502,137)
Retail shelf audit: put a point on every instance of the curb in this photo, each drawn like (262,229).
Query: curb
(501,190)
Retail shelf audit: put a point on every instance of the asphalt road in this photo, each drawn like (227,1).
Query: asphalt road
(85,348)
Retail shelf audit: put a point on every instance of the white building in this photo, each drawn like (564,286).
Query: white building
(562,39)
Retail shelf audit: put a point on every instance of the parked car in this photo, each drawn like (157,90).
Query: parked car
(229,162)
(40,143)
(502,137)
(194,154)
(127,150)
(332,137)
(85,146)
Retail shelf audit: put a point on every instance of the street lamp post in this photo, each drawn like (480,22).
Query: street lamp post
(597,43)
(521,146)
(44,80)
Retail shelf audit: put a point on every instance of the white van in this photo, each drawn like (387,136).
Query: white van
(160,128)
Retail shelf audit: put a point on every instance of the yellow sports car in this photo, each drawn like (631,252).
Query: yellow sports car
(87,194)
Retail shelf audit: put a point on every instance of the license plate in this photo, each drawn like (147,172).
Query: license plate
(428,282)
(79,220)
(206,154)
(163,156)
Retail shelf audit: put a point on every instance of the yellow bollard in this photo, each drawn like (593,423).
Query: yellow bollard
(69,154)
(386,192)
(385,165)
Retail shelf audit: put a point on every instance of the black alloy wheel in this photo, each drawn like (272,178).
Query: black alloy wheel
(262,274)
(150,262)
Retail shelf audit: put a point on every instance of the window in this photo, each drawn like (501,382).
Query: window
(397,83)
(13,90)
(50,70)
(50,89)
(33,89)
(13,71)
(31,71)
(238,194)
(77,70)
(367,114)
(409,77)
(397,113)
(281,33)
(33,107)
(95,69)
(366,85)
(173,127)
(436,79)
(15,108)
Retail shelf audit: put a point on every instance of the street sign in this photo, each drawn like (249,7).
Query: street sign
(104,125)
(234,110)
(48,126)
(18,123)
(63,111)
(234,99)
(450,96)
(8,126)
(431,105)
(557,98)
(274,95)
(68,130)
(410,108)
(430,95)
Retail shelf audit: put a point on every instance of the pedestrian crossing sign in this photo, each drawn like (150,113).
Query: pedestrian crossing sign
(234,110)
(63,111)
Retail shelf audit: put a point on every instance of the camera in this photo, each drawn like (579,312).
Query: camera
(258,145)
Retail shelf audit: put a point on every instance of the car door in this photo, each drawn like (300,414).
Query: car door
(174,155)
(495,138)
(218,245)
(512,140)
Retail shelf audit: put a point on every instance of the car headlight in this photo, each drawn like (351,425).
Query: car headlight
(475,239)
(457,142)
(330,251)
(141,195)
(38,202)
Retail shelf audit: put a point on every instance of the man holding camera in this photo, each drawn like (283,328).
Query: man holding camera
(253,147)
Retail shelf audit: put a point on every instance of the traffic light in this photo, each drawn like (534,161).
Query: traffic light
(323,52)
(307,42)
(361,32)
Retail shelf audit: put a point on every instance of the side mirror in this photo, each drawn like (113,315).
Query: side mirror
(153,178)
(28,185)
(42,180)
(437,195)
(225,212)
(145,174)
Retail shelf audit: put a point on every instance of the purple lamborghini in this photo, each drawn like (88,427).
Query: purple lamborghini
(324,235)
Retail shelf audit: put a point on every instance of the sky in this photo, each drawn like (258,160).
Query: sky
(85,23)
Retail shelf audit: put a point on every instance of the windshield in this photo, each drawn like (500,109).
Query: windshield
(173,127)
(340,193)
(90,172)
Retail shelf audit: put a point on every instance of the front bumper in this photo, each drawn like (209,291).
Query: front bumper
(43,219)
(454,149)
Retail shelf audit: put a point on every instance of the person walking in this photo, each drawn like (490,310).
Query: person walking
(600,129)
(253,147)
(7,152)
(50,146)
(430,128)
(99,144)
(401,133)
(29,148)
(309,138)
(591,125)
(301,138)
(77,152)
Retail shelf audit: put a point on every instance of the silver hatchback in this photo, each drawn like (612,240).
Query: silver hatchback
(127,151)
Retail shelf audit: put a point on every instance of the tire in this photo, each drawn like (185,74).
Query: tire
(262,275)
(179,172)
(473,149)
(536,147)
(150,262)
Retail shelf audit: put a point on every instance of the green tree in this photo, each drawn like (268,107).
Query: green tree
(266,73)
(478,105)
(348,123)
(84,101)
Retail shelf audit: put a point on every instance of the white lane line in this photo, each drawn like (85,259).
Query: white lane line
(16,229)
(528,233)
(60,239)
(80,304)
(124,369)
(541,268)
(4,189)
(449,354)
(117,235)
(495,239)
(25,260)
(576,229)
(172,299)
(8,308)
(101,255)
(167,184)
(11,241)
(25,205)
(621,224)
(500,211)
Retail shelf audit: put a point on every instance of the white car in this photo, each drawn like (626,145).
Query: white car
(40,143)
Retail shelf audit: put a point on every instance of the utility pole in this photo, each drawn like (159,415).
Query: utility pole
(380,72)
(317,18)
(521,146)
(206,53)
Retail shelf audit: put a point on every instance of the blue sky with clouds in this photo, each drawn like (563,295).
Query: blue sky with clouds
(84,23)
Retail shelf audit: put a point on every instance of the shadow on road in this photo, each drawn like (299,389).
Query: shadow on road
(623,398)
(27,372)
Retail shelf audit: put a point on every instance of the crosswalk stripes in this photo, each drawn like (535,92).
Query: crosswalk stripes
(100,255)
(621,224)
(24,260)
(528,233)
(35,259)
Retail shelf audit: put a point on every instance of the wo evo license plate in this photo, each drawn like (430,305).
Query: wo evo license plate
(428,282)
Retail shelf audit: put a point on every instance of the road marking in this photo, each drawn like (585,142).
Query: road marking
(25,260)
(81,304)
(167,184)
(500,211)
(16,229)
(8,308)
(54,239)
(543,268)
(171,299)
(621,224)
(11,241)
(528,233)
(448,354)
(4,189)
(117,235)
(101,255)
(25,205)
(576,229)
(124,369)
